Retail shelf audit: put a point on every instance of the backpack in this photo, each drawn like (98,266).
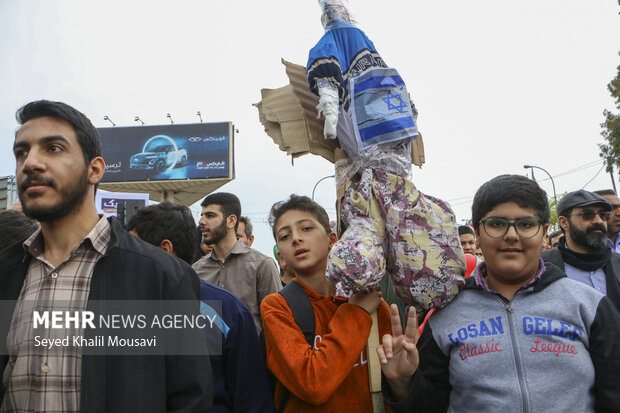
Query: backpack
(299,302)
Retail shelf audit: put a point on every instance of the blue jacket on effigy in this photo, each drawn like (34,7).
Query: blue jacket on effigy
(374,102)
(343,52)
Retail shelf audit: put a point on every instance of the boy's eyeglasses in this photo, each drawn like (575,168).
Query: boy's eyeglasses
(498,227)
(588,215)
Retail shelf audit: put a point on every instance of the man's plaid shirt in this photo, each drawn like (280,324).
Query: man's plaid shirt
(39,379)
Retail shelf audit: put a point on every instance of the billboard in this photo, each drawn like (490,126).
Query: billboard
(167,152)
(107,202)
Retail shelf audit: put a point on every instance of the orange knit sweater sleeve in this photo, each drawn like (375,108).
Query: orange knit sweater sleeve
(313,375)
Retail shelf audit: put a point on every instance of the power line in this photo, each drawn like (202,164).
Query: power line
(577,169)
(599,171)
(465,199)
(461,202)
(458,199)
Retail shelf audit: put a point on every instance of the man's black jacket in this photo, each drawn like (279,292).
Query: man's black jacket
(612,272)
(130,270)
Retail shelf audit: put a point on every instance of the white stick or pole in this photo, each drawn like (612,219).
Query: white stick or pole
(374,368)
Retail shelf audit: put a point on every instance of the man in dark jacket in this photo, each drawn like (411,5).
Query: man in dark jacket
(583,253)
(239,373)
(74,260)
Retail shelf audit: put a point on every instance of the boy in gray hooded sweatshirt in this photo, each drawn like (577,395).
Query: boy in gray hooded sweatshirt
(520,336)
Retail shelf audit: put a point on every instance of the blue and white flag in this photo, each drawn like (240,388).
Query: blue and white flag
(380,108)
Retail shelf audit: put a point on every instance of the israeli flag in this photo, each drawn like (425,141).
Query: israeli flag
(380,108)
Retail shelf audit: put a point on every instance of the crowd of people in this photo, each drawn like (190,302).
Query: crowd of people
(535,328)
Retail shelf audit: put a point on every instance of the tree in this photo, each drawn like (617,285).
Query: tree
(553,216)
(610,151)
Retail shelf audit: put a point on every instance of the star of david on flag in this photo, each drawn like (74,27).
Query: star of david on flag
(380,108)
(401,105)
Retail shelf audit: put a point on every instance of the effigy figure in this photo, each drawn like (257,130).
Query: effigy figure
(391,227)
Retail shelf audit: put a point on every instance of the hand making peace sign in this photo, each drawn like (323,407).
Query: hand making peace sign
(398,354)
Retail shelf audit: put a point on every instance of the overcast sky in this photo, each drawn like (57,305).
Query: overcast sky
(498,83)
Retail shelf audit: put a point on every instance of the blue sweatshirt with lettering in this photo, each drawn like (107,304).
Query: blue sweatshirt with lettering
(555,347)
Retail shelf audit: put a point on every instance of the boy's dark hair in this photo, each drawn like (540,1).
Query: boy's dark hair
(248,226)
(16,227)
(605,192)
(87,134)
(301,203)
(506,188)
(228,203)
(465,229)
(174,222)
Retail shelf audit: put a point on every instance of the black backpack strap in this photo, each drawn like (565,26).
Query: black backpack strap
(300,305)
(298,300)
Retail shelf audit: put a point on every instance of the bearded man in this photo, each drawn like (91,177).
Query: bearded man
(77,258)
(613,223)
(231,265)
(582,252)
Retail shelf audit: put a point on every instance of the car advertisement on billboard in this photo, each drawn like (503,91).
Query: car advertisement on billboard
(167,152)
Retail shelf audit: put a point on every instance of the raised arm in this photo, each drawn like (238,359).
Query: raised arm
(398,354)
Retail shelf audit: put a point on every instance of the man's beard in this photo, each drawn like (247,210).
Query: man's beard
(589,238)
(217,234)
(613,229)
(71,197)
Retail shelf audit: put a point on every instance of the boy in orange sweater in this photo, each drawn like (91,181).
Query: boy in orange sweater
(331,375)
